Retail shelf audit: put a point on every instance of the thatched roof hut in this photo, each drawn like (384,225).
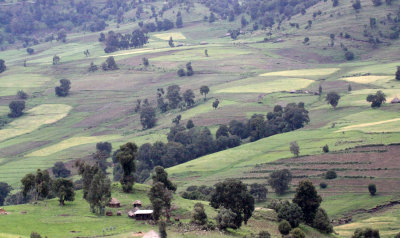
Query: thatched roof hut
(395,100)
(137,203)
(114,203)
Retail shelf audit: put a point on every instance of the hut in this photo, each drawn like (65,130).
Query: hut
(137,204)
(395,100)
(142,215)
(114,203)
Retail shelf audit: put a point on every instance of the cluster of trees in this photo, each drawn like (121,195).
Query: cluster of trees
(63,89)
(19,21)
(262,13)
(163,25)
(109,64)
(189,70)
(117,41)
(376,99)
(16,108)
(41,186)
(305,207)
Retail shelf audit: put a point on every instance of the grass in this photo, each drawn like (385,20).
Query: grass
(11,83)
(367,79)
(34,118)
(268,86)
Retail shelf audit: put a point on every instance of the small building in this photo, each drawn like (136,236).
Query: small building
(143,215)
(395,100)
(137,204)
(114,203)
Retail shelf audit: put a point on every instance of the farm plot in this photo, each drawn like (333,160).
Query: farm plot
(266,86)
(368,79)
(11,83)
(303,72)
(174,35)
(36,117)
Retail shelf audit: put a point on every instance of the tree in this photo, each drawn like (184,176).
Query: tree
(320,89)
(204,90)
(325,149)
(3,66)
(177,120)
(244,21)
(258,191)
(188,97)
(297,232)
(322,222)
(349,88)
(179,21)
(35,235)
(333,99)
(357,5)
(5,189)
(211,19)
(145,62)
(39,183)
(171,42)
(16,108)
(127,157)
(162,228)
(56,60)
(264,234)
(372,189)
(349,55)
(284,227)
(238,128)
(30,51)
(232,194)
(397,72)
(366,233)
(308,199)
(173,96)
(160,198)
(148,117)
(160,175)
(62,35)
(292,213)
(189,124)
(226,219)
(189,69)
(222,131)
(215,103)
(294,148)
(377,99)
(377,2)
(181,72)
(110,64)
(63,89)
(105,147)
(64,190)
(330,174)
(280,180)
(99,193)
(199,215)
(59,170)
(93,67)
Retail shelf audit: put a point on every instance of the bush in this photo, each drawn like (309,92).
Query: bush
(325,149)
(30,51)
(199,215)
(284,227)
(323,185)
(22,95)
(322,222)
(264,234)
(181,73)
(372,189)
(398,235)
(298,233)
(16,108)
(35,235)
(292,213)
(331,174)
(349,55)
(226,219)
(366,233)
(63,89)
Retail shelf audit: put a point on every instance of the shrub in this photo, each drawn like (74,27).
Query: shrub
(199,215)
(331,174)
(398,73)
(35,235)
(325,148)
(372,189)
(349,55)
(22,95)
(284,227)
(322,221)
(30,51)
(16,108)
(226,219)
(292,213)
(366,233)
(181,72)
(264,234)
(298,233)
(323,185)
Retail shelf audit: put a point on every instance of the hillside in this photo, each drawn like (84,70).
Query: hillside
(267,65)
